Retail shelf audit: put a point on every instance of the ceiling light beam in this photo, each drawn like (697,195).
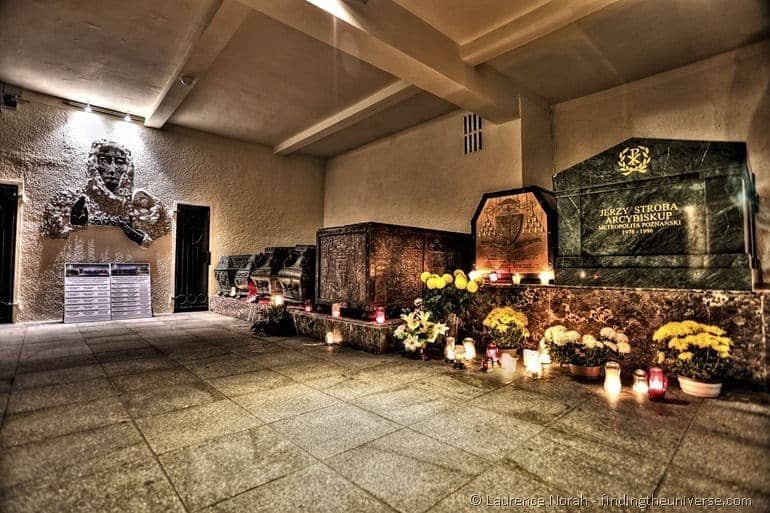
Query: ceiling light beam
(207,43)
(377,102)
(389,37)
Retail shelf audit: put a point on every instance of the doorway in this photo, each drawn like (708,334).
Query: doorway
(9,195)
(191,281)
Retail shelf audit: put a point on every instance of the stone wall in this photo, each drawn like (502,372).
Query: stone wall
(638,313)
(257,199)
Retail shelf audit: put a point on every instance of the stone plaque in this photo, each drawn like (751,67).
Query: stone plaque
(658,213)
(513,232)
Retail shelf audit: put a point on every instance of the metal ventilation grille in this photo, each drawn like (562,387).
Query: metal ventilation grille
(472,137)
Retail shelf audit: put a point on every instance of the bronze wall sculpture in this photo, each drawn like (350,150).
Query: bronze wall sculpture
(373,264)
(514,232)
(108,199)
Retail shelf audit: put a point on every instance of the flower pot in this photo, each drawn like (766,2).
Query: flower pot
(699,388)
(582,371)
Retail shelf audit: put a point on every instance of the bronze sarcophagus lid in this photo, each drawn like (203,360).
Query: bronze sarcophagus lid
(265,275)
(243,273)
(225,271)
(297,278)
(373,264)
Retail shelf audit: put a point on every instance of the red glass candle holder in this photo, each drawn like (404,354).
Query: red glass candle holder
(379,315)
(308,306)
(656,384)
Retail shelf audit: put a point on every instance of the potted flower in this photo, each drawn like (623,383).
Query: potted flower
(586,355)
(508,328)
(698,353)
(417,330)
(446,296)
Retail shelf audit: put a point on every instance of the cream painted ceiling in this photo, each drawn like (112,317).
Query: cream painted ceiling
(271,81)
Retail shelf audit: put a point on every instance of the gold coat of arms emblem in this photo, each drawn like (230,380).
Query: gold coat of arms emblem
(634,159)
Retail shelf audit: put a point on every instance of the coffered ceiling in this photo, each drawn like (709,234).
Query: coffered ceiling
(324,76)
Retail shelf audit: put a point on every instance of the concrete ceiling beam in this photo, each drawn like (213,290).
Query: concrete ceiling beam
(385,35)
(537,23)
(206,44)
(386,97)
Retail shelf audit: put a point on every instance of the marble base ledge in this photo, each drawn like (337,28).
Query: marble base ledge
(237,308)
(364,335)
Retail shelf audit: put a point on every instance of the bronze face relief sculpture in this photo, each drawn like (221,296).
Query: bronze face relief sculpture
(108,199)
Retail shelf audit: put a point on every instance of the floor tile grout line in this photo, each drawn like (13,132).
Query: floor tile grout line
(13,380)
(676,450)
(149,447)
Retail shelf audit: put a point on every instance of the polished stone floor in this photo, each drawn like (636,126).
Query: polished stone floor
(194,413)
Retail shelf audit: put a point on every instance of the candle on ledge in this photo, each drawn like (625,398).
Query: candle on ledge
(459,356)
(308,305)
(493,277)
(278,300)
(336,310)
(612,378)
(640,381)
(516,279)
(656,384)
(546,277)
(379,315)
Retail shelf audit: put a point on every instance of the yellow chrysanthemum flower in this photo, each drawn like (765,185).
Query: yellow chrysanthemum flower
(447,278)
(424,276)
(461,282)
(686,356)
(472,287)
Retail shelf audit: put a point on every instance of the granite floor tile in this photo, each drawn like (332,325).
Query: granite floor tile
(154,379)
(226,466)
(129,354)
(219,366)
(138,486)
(189,426)
(119,367)
(499,489)
(524,404)
(682,484)
(461,386)
(582,467)
(72,456)
(58,376)
(249,382)
(38,425)
(29,399)
(310,371)
(55,351)
(154,401)
(407,470)
(49,364)
(107,344)
(481,432)
(740,430)
(317,488)
(334,429)
(283,402)
(406,405)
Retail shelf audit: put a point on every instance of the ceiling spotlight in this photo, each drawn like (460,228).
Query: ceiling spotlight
(87,107)
(186,80)
(127,117)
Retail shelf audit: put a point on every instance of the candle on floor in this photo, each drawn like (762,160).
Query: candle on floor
(470,349)
(612,378)
(493,354)
(640,381)
(508,362)
(449,350)
(459,356)
(656,384)
(532,364)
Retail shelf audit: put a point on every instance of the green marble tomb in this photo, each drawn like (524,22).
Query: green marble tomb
(658,213)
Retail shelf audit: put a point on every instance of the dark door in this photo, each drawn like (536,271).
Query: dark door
(192,259)
(8,211)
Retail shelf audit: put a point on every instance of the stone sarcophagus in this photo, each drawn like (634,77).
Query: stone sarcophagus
(373,264)
(514,233)
(658,213)
(297,278)
(265,275)
(225,272)
(242,275)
